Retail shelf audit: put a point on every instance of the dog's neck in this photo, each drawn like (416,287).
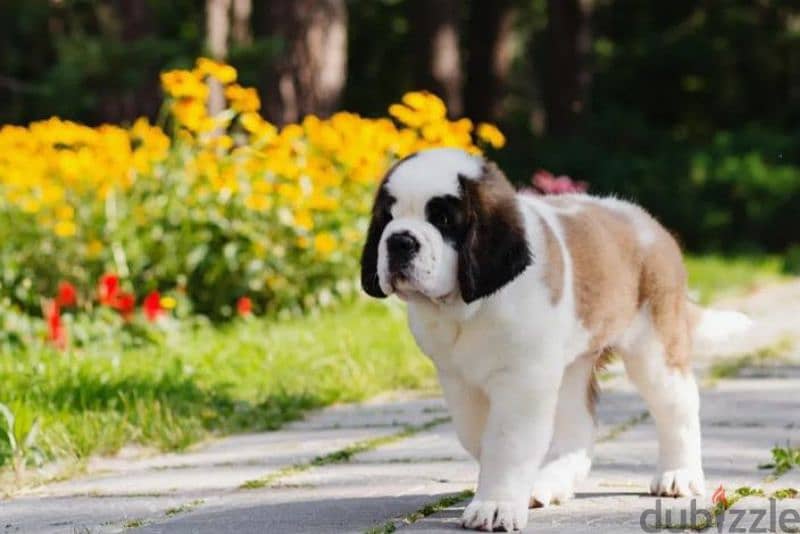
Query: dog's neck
(451,306)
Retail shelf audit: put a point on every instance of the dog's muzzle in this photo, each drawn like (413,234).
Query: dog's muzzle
(401,247)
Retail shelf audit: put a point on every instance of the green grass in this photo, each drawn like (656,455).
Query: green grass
(427,510)
(250,375)
(713,276)
(182,509)
(783,459)
(731,367)
(785,493)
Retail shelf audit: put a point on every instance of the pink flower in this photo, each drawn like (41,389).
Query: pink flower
(544,182)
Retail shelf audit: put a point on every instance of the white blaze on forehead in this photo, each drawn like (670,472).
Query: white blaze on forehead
(428,174)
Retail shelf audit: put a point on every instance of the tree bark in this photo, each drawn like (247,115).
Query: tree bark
(436,50)
(490,45)
(217,29)
(240,27)
(567,74)
(309,74)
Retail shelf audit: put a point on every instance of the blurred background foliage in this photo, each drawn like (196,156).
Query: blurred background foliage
(689,107)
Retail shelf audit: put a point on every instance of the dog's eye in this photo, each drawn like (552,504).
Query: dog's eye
(441,218)
(443,213)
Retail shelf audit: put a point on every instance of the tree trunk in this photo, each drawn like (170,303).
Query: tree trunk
(310,71)
(567,74)
(217,27)
(240,28)
(129,21)
(436,51)
(490,45)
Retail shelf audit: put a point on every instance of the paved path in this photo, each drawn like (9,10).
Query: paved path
(393,463)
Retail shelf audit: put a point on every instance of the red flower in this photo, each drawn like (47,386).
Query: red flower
(67,295)
(107,289)
(124,303)
(244,306)
(56,332)
(109,294)
(719,497)
(152,306)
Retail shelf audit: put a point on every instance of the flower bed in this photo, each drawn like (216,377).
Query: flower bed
(206,210)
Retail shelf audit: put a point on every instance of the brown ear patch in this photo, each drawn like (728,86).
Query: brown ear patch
(495,249)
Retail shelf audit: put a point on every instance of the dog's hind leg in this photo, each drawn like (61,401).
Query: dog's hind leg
(570,455)
(662,374)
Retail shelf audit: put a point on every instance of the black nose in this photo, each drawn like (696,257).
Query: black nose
(401,246)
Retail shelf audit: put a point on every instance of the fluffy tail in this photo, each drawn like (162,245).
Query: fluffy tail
(715,327)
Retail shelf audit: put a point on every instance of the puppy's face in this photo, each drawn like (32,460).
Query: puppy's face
(444,222)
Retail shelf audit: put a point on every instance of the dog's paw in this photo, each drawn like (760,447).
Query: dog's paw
(555,482)
(495,515)
(682,482)
(551,487)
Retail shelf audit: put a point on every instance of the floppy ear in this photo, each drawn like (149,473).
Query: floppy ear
(369,256)
(495,249)
(381,216)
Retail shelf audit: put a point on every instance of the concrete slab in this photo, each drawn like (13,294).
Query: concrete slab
(221,465)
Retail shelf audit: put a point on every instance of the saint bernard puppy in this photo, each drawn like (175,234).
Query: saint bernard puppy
(517,299)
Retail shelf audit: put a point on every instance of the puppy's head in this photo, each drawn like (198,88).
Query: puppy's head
(444,222)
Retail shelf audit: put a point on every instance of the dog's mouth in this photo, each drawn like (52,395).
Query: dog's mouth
(402,285)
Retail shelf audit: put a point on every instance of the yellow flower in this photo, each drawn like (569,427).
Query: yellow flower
(242,99)
(30,205)
(261,129)
(183,84)
(168,303)
(426,103)
(303,219)
(191,114)
(290,193)
(491,134)
(258,202)
(65,212)
(407,116)
(222,142)
(94,248)
(324,243)
(225,74)
(322,203)
(65,228)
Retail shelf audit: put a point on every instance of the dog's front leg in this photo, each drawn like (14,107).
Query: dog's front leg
(522,406)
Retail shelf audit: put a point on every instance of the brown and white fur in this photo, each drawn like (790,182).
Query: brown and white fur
(516,298)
